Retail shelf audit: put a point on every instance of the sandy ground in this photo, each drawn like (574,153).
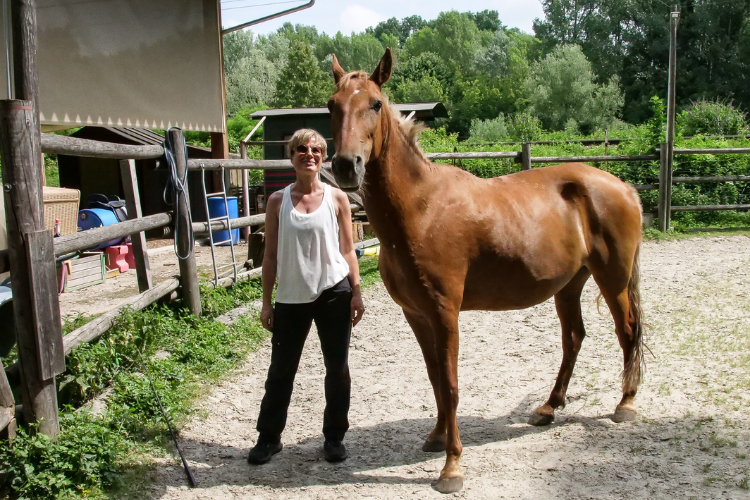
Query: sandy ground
(114,291)
(689,441)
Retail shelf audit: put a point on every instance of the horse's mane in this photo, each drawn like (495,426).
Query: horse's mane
(410,130)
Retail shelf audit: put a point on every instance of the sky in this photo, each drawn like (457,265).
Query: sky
(331,16)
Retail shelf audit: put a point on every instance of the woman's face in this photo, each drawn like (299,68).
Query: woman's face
(307,157)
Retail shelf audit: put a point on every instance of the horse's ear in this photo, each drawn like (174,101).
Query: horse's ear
(383,72)
(338,71)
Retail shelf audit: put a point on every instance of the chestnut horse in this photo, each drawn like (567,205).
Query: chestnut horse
(452,242)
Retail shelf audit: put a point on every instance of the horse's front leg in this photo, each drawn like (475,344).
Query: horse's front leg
(445,330)
(436,440)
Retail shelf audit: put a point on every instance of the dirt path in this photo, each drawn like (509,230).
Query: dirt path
(114,291)
(690,439)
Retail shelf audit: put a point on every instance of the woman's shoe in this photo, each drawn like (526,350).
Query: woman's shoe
(335,451)
(263,451)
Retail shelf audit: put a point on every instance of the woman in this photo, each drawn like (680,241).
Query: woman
(309,249)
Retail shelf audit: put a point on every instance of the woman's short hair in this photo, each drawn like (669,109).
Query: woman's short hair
(303,136)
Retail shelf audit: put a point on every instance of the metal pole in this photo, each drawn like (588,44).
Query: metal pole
(666,186)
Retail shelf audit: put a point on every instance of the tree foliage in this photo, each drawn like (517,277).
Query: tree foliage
(563,92)
(301,83)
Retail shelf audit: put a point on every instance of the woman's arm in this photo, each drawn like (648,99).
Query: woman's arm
(268,273)
(346,247)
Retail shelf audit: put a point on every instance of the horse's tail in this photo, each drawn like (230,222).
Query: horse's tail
(631,375)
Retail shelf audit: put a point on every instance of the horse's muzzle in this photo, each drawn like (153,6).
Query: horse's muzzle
(348,171)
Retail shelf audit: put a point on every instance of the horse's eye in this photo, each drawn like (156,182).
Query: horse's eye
(377,106)
(330,105)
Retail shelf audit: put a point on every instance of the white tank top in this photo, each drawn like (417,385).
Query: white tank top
(308,259)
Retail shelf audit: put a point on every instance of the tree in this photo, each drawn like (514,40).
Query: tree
(251,68)
(358,51)
(487,20)
(302,83)
(562,88)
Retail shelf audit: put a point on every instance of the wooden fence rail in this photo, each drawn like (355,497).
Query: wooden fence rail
(64,145)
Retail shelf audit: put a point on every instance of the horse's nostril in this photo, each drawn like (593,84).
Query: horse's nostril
(358,161)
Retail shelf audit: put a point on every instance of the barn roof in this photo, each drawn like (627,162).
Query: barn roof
(422,110)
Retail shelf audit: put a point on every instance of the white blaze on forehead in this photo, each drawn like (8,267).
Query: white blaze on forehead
(356,91)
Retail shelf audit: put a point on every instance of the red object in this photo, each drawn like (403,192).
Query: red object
(130,257)
(117,256)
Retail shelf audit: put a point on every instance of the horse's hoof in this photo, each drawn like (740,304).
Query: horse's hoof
(539,419)
(434,445)
(624,414)
(449,484)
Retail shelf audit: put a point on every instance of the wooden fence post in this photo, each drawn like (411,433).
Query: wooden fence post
(526,156)
(36,309)
(665,191)
(133,204)
(188,268)
(666,167)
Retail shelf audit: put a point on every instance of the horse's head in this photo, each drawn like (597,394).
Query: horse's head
(359,111)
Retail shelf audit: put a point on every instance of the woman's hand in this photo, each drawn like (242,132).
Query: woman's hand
(266,317)
(357,308)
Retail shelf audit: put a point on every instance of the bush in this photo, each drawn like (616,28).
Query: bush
(493,130)
(712,118)
(83,456)
(524,127)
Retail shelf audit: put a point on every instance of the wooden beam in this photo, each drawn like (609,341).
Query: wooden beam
(708,208)
(188,268)
(198,164)
(22,182)
(72,146)
(133,205)
(526,156)
(665,191)
(96,327)
(90,238)
(588,159)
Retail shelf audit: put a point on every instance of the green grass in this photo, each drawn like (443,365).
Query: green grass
(96,454)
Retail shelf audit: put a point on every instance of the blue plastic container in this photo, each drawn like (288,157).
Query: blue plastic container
(90,218)
(216,209)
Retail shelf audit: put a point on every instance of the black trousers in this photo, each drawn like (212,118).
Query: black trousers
(291,324)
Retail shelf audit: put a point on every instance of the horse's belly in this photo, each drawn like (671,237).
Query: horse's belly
(515,286)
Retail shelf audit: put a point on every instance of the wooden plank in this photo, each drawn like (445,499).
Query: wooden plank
(526,156)
(217,164)
(21,174)
(82,273)
(6,395)
(46,307)
(95,328)
(584,159)
(72,146)
(711,208)
(83,240)
(725,178)
(665,190)
(473,156)
(711,151)
(188,268)
(133,205)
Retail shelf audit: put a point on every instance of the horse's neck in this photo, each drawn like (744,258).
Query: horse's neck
(392,184)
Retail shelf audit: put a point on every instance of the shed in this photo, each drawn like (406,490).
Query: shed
(102,176)
(280,124)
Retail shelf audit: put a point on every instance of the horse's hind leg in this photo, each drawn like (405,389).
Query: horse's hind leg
(619,286)
(568,305)
(436,440)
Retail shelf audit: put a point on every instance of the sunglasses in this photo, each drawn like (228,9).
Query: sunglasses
(314,150)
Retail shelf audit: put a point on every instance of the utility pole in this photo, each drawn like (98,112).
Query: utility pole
(667,167)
